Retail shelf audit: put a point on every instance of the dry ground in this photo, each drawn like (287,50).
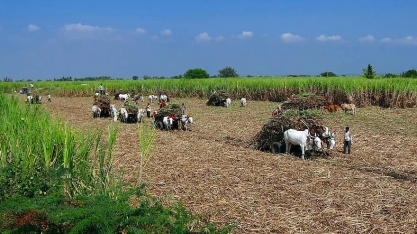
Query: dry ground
(213,172)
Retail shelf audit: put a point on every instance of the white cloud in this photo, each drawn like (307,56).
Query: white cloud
(140,31)
(32,28)
(85,28)
(245,34)
(386,40)
(219,38)
(205,37)
(368,38)
(154,37)
(84,31)
(329,38)
(289,37)
(408,40)
(166,32)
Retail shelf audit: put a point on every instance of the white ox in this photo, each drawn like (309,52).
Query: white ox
(243,102)
(96,111)
(124,97)
(30,99)
(301,138)
(167,121)
(123,114)
(141,115)
(152,98)
(163,98)
(186,122)
(228,102)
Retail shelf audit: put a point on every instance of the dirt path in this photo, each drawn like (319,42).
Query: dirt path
(212,170)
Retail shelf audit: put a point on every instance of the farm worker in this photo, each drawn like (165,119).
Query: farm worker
(148,110)
(31,85)
(163,104)
(114,110)
(348,141)
(49,98)
(332,141)
(183,109)
(101,88)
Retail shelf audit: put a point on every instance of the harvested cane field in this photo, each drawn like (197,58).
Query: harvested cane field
(214,172)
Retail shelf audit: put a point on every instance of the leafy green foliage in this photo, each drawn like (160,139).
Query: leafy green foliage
(135,77)
(391,75)
(410,74)
(227,72)
(369,72)
(173,106)
(196,73)
(328,74)
(16,181)
(55,180)
(101,214)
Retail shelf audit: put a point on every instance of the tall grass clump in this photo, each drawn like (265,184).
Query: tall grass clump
(56,179)
(33,142)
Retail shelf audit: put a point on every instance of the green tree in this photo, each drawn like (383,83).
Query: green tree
(146,77)
(369,72)
(328,74)
(390,75)
(7,79)
(410,74)
(135,78)
(227,72)
(196,73)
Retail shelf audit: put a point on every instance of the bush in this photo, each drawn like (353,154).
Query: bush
(328,74)
(410,74)
(196,73)
(101,214)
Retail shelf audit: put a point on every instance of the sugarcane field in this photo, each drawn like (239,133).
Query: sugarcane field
(230,164)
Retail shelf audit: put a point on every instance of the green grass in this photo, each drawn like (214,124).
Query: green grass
(237,86)
(57,179)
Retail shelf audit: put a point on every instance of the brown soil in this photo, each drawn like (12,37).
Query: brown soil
(213,172)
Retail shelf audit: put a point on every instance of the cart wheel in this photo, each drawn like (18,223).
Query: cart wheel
(159,125)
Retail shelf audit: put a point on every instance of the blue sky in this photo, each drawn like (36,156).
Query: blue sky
(45,39)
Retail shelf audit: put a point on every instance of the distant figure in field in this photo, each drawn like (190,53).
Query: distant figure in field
(148,110)
(183,109)
(49,98)
(101,88)
(347,141)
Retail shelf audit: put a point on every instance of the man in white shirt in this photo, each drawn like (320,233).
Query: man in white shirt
(347,141)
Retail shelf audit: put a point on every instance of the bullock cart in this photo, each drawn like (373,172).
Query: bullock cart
(103,102)
(271,137)
(217,98)
(172,110)
(132,113)
(305,103)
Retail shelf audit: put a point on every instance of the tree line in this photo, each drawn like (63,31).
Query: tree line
(196,73)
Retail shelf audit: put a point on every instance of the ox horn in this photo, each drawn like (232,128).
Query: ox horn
(302,121)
